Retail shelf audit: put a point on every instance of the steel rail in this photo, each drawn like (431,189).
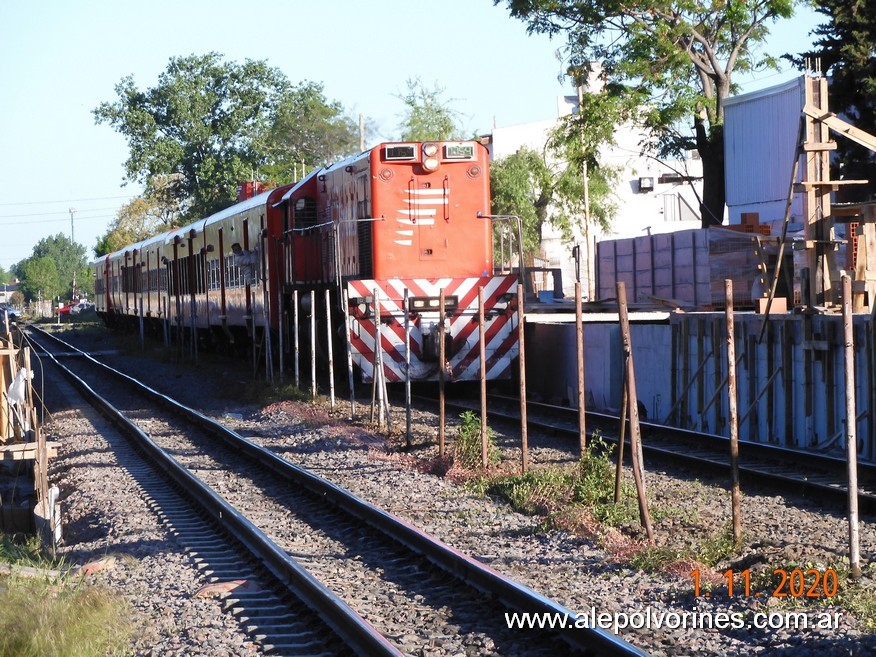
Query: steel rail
(812,470)
(354,630)
(593,641)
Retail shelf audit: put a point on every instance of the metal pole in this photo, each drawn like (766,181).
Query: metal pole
(733,416)
(296,335)
(313,344)
(851,430)
(524,436)
(633,404)
(442,357)
(482,348)
(407,370)
(579,346)
(349,346)
(331,361)
(142,328)
(378,362)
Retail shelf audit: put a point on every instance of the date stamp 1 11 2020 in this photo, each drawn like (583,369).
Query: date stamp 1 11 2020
(787,583)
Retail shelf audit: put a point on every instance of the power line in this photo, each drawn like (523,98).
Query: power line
(56,221)
(47,214)
(72,200)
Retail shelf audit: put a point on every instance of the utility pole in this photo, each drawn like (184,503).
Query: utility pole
(585,179)
(72,212)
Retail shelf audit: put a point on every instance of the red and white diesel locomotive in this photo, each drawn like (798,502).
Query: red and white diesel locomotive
(399,220)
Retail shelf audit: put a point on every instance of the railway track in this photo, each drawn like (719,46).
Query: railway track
(813,474)
(356,567)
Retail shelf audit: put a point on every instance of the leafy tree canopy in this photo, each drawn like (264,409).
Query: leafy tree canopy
(39,278)
(846,46)
(427,116)
(665,62)
(211,124)
(154,212)
(308,130)
(52,268)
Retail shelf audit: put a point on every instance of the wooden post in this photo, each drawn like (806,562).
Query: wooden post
(633,405)
(579,345)
(524,436)
(733,416)
(442,357)
(851,430)
(482,348)
(41,466)
(407,369)
(330,350)
(619,470)
(349,347)
(312,344)
(296,335)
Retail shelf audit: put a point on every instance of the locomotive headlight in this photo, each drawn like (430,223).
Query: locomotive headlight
(430,164)
(430,150)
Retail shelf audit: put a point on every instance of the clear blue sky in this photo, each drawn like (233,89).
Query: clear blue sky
(60,59)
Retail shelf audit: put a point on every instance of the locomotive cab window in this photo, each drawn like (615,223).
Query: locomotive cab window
(305,214)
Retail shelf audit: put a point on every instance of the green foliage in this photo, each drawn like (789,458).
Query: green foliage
(39,619)
(664,63)
(26,551)
(144,216)
(846,47)
(427,116)
(52,267)
(589,484)
(210,124)
(525,185)
(307,130)
(522,186)
(468,447)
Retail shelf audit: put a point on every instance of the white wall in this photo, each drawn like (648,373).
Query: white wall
(669,207)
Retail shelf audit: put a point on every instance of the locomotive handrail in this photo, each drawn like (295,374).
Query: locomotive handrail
(519,220)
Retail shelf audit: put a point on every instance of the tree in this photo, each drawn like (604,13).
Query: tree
(522,186)
(847,49)
(39,277)
(307,129)
(56,262)
(665,61)
(427,116)
(213,124)
(144,216)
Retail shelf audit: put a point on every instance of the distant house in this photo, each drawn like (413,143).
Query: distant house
(6,291)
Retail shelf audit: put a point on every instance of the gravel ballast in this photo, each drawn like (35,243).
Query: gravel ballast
(104,514)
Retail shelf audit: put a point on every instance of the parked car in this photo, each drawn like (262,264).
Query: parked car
(10,313)
(79,307)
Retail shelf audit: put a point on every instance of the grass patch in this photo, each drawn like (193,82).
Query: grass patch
(41,617)
(26,551)
(263,393)
(589,484)
(38,619)
(467,448)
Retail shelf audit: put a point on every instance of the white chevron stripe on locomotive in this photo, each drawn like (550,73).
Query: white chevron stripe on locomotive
(500,344)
